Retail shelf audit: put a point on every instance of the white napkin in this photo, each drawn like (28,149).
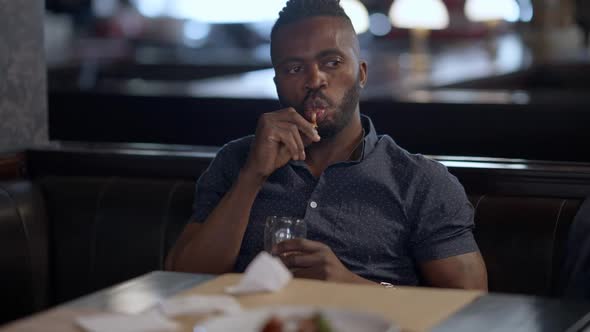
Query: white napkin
(200,304)
(147,322)
(264,274)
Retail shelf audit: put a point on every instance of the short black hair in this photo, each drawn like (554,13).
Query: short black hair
(298,10)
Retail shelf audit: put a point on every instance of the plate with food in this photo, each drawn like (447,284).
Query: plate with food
(297,319)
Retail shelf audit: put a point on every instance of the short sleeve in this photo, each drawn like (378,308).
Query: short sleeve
(218,178)
(443,217)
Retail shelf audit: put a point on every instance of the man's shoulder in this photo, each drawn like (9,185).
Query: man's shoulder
(232,155)
(402,156)
(236,148)
(428,180)
(412,164)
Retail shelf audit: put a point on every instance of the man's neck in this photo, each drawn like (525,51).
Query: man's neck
(337,149)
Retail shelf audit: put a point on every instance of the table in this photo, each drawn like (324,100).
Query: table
(414,309)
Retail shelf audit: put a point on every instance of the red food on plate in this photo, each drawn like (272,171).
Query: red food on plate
(274,324)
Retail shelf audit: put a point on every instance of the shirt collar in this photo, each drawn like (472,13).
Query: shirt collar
(371,138)
(368,143)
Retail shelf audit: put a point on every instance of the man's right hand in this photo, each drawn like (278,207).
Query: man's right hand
(280,136)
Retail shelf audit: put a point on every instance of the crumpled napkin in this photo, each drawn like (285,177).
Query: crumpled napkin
(200,304)
(147,322)
(264,274)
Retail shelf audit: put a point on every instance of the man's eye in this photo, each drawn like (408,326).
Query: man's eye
(333,63)
(294,69)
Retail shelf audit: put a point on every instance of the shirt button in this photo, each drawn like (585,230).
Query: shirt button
(313,204)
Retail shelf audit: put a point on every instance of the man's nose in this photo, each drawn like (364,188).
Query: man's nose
(315,78)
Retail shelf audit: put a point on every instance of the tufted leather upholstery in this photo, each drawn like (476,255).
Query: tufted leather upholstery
(575,273)
(23,249)
(108,229)
(87,220)
(522,240)
(104,230)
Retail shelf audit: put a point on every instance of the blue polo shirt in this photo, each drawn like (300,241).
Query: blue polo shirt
(381,214)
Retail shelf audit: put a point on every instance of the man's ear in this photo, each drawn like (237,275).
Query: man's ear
(363,73)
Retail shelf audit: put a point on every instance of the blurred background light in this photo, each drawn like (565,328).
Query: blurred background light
(526,10)
(226,11)
(379,24)
(419,14)
(216,11)
(358,15)
(238,11)
(195,32)
(496,10)
(150,8)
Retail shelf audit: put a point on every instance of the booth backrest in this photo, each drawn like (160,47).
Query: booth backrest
(82,222)
(23,249)
(104,230)
(522,240)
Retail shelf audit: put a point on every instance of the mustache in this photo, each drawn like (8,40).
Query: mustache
(315,99)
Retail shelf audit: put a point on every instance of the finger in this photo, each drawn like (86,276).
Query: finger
(300,245)
(298,261)
(305,127)
(289,115)
(316,272)
(296,136)
(285,137)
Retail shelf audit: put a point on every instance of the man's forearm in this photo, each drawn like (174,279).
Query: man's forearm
(212,247)
(360,280)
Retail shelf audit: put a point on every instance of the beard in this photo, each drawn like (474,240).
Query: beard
(344,110)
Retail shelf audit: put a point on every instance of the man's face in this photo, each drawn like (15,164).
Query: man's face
(317,70)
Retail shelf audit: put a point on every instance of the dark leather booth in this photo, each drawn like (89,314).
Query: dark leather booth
(83,218)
